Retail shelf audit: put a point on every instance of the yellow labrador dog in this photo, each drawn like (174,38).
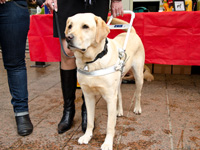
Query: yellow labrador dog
(99,68)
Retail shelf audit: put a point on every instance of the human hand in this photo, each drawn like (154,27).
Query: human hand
(2,1)
(51,4)
(116,8)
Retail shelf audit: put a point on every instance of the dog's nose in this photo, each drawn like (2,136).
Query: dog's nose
(69,37)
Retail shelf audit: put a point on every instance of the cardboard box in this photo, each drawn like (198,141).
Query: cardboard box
(181,69)
(162,69)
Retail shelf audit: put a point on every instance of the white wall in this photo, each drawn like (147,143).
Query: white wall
(126,4)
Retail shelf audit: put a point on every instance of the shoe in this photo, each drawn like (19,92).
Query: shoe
(84,115)
(68,85)
(24,125)
(66,121)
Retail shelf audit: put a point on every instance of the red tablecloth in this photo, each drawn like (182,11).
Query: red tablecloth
(169,37)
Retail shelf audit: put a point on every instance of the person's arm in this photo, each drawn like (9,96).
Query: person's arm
(116,8)
(51,4)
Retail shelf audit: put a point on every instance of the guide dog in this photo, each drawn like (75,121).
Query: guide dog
(100,67)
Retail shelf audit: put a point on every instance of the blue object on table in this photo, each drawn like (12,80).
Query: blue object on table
(46,10)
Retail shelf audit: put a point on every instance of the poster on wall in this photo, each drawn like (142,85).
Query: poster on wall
(179,5)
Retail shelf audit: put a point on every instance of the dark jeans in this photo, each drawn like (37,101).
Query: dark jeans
(14,26)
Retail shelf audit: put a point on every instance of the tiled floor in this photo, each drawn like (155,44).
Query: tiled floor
(170,116)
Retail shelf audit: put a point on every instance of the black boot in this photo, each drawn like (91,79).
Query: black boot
(24,125)
(84,115)
(68,84)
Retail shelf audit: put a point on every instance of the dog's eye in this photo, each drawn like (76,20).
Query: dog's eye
(85,26)
(70,26)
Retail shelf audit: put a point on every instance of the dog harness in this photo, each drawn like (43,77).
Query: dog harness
(117,67)
(122,54)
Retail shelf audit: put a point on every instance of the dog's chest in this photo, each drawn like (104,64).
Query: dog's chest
(99,84)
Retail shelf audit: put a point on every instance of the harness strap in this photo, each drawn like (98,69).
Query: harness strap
(98,72)
(102,72)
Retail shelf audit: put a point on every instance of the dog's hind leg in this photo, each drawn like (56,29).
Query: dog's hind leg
(138,74)
(119,102)
(90,105)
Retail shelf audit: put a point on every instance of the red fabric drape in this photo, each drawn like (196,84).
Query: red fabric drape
(169,37)
(43,47)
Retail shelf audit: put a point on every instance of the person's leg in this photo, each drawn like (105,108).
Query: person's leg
(13,35)
(84,115)
(68,85)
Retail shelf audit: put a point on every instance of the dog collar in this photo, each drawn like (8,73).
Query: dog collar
(100,55)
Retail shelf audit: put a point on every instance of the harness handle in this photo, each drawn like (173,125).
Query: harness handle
(123,26)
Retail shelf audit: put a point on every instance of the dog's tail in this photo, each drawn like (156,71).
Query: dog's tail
(147,74)
(120,21)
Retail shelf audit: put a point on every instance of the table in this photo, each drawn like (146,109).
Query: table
(171,38)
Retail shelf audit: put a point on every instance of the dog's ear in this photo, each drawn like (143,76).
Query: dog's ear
(102,29)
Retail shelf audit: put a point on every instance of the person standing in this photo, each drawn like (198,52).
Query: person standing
(14,26)
(65,9)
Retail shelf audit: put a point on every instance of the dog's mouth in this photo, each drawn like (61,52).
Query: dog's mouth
(72,47)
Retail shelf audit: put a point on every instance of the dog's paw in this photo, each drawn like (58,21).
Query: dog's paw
(106,146)
(137,110)
(84,139)
(119,113)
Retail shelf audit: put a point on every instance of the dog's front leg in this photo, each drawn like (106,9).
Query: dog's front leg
(90,105)
(111,106)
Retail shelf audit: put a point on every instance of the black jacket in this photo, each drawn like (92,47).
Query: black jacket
(68,8)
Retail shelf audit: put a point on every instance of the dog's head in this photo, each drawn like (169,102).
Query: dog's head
(84,30)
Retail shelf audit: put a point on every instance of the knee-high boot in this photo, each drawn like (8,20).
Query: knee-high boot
(68,84)
(84,115)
